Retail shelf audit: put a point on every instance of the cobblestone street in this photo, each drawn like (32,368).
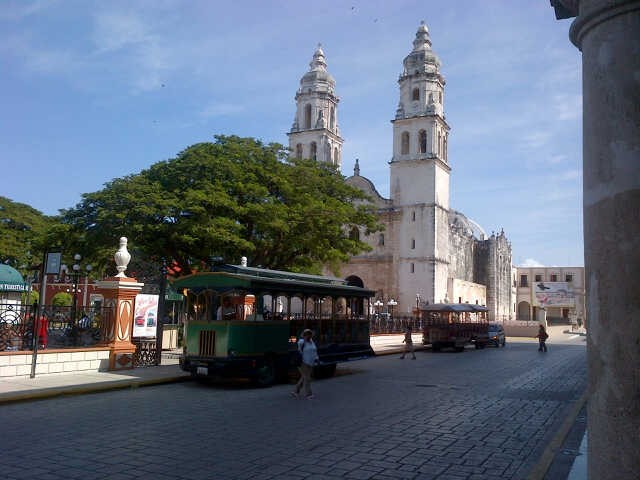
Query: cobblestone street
(481,414)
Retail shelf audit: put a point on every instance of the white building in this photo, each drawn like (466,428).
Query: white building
(531,282)
(428,252)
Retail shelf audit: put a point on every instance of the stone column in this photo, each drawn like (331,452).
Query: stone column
(120,295)
(608,34)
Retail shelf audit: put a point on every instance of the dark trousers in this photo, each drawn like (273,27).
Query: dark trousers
(543,345)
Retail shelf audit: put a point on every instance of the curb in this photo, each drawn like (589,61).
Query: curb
(554,446)
(88,388)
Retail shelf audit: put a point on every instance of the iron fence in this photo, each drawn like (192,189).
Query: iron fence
(379,324)
(55,327)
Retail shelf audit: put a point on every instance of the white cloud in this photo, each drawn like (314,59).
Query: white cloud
(531,262)
(567,107)
(536,139)
(23,9)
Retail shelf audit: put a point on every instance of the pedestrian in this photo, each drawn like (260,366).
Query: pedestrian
(309,353)
(542,338)
(408,343)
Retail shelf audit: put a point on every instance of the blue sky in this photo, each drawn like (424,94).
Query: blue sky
(93,90)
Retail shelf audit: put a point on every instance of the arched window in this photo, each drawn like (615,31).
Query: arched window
(413,243)
(336,156)
(439,145)
(415,94)
(381,239)
(413,216)
(422,141)
(440,97)
(412,268)
(314,151)
(307,116)
(327,152)
(332,119)
(404,143)
(299,150)
(354,234)
(445,148)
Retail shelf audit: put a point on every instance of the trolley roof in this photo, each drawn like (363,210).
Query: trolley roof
(253,280)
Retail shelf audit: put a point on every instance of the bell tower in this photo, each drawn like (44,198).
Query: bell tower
(315,133)
(420,174)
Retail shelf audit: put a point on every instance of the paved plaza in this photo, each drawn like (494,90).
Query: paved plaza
(480,414)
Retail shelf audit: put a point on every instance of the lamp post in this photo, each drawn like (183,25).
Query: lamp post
(75,275)
(161,310)
(391,303)
(378,304)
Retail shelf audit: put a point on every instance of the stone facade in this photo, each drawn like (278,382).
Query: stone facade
(525,304)
(428,252)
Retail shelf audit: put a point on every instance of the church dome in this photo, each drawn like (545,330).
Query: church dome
(459,221)
(422,58)
(318,76)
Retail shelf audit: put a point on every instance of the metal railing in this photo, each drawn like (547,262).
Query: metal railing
(54,327)
(380,325)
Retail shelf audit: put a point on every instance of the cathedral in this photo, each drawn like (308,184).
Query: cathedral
(427,252)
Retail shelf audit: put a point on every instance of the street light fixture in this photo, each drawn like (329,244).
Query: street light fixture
(75,274)
(378,304)
(391,303)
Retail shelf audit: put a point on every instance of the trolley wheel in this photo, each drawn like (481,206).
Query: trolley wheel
(266,374)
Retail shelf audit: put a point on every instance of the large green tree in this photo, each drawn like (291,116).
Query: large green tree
(22,229)
(233,197)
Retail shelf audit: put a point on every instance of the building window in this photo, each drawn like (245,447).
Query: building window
(332,119)
(307,116)
(445,148)
(538,278)
(299,150)
(568,277)
(336,156)
(404,143)
(415,95)
(413,216)
(422,141)
(381,239)
(314,151)
(413,243)
(524,281)
(440,97)
(412,268)
(354,234)
(554,278)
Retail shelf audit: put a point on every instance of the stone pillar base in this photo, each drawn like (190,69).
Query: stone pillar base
(121,357)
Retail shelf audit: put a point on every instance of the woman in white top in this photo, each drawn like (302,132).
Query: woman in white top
(309,353)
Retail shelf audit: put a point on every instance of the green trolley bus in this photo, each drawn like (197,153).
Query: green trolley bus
(244,322)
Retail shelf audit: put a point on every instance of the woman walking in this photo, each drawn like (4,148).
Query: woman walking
(408,343)
(309,353)
(542,338)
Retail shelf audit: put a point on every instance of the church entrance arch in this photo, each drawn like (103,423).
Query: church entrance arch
(524,311)
(356,308)
(354,281)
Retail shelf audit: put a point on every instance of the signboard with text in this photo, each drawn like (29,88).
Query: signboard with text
(145,317)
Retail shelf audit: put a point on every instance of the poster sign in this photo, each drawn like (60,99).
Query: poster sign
(53,263)
(145,317)
(554,294)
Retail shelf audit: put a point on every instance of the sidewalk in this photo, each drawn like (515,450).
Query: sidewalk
(44,386)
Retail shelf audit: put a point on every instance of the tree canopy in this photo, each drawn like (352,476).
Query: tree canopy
(230,198)
(22,229)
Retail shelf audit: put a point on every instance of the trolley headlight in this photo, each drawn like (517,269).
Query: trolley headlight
(232,352)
